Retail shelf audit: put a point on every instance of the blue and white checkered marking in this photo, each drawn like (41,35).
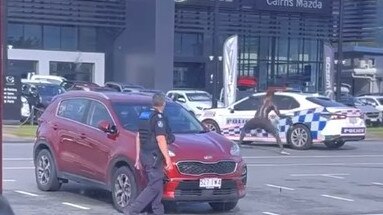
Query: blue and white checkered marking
(311,118)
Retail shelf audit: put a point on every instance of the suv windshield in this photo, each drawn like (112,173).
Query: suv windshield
(198,97)
(180,120)
(325,102)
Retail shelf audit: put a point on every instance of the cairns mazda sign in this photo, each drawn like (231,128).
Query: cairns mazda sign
(322,7)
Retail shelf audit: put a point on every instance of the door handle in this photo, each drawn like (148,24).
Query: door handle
(82,136)
(55,127)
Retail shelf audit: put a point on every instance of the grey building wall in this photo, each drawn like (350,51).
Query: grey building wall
(143,52)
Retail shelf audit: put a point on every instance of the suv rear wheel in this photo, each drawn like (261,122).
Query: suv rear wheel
(46,172)
(124,189)
(223,206)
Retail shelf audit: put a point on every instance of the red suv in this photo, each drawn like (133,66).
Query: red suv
(90,137)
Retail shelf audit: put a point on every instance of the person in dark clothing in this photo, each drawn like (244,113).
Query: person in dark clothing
(5,208)
(152,141)
(261,121)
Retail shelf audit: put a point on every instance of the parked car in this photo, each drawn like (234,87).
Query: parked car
(90,137)
(375,100)
(194,101)
(372,116)
(37,95)
(124,87)
(53,79)
(314,119)
(78,85)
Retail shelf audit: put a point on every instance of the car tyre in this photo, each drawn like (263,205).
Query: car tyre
(335,144)
(223,206)
(299,137)
(124,188)
(46,172)
(212,125)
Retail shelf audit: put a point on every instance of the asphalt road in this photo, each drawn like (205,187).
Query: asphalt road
(348,181)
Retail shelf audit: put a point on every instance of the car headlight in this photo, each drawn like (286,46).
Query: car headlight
(235,150)
(171,154)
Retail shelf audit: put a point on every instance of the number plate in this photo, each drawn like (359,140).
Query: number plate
(210,183)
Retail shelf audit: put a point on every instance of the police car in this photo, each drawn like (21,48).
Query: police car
(312,119)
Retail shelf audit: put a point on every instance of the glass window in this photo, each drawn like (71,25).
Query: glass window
(198,97)
(285,102)
(51,37)
(49,89)
(311,50)
(87,39)
(282,49)
(251,103)
(188,44)
(295,47)
(180,120)
(74,109)
(324,102)
(32,36)
(22,67)
(15,35)
(68,38)
(98,113)
(380,101)
(72,71)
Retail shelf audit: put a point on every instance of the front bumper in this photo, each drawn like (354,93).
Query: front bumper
(189,191)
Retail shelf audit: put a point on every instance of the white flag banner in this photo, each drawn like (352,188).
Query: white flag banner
(230,72)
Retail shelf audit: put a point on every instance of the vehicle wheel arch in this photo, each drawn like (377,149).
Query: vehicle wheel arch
(41,145)
(118,162)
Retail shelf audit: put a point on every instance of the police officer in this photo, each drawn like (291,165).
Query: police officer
(152,141)
(261,120)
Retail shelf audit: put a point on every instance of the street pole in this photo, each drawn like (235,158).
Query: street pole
(216,48)
(340,52)
(2,66)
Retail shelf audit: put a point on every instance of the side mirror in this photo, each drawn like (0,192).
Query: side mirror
(231,110)
(182,100)
(106,127)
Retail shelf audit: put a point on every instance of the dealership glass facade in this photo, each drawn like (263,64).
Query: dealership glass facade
(275,47)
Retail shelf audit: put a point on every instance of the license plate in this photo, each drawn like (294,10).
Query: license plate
(210,183)
(353,130)
(373,120)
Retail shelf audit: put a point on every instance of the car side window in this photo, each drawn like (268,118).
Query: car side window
(251,103)
(371,101)
(285,102)
(114,87)
(98,113)
(73,109)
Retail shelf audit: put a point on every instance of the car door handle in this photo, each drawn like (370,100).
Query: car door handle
(55,127)
(82,136)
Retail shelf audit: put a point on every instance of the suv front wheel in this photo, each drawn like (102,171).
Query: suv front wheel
(124,189)
(46,172)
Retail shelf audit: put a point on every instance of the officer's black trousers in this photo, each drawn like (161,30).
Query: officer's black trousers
(261,123)
(153,192)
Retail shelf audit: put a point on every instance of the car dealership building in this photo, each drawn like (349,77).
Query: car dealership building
(166,43)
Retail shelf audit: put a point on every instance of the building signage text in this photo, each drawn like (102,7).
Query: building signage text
(300,6)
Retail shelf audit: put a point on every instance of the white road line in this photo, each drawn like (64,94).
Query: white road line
(19,168)
(338,198)
(26,193)
(17,159)
(280,187)
(9,180)
(313,156)
(269,213)
(318,174)
(311,164)
(332,176)
(377,183)
(75,206)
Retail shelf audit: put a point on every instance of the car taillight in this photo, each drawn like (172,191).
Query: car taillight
(334,116)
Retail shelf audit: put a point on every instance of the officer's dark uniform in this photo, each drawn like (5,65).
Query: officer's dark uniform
(152,124)
(262,121)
